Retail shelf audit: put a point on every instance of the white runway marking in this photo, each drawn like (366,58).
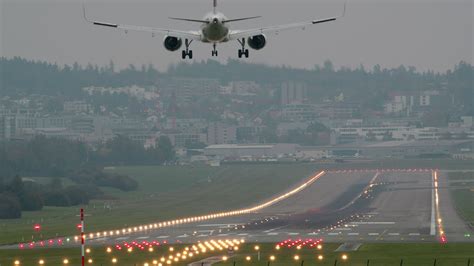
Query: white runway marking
(160,237)
(219,225)
(313,234)
(353,234)
(243,234)
(272,234)
(333,234)
(222,234)
(373,234)
(372,223)
(183,236)
(393,234)
(268,231)
(414,234)
(202,235)
(293,234)
(123,238)
(143,237)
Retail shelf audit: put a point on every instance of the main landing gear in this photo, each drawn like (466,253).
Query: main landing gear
(187,52)
(214,51)
(243,51)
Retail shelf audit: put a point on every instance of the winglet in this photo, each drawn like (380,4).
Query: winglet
(344,11)
(84,13)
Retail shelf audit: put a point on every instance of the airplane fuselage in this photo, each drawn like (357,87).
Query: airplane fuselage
(216,31)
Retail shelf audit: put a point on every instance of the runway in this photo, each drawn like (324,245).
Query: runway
(339,206)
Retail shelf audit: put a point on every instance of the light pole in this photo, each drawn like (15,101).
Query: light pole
(257,248)
(82,237)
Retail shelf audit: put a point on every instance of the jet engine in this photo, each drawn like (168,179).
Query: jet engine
(172,43)
(257,42)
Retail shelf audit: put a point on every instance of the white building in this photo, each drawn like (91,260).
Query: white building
(353,134)
(255,151)
(77,107)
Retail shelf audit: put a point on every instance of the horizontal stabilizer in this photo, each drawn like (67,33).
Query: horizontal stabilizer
(191,20)
(240,19)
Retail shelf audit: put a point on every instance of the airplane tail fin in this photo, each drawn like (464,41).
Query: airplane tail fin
(215,6)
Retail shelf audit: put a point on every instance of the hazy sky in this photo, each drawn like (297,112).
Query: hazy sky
(427,34)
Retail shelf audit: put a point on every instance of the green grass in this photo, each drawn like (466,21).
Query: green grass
(97,254)
(463,198)
(164,193)
(379,255)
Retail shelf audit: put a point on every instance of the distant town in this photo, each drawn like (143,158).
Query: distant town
(254,117)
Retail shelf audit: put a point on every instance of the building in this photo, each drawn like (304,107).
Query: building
(182,140)
(293,92)
(188,90)
(400,104)
(220,133)
(298,112)
(254,151)
(77,107)
(244,87)
(7,128)
(338,110)
(385,133)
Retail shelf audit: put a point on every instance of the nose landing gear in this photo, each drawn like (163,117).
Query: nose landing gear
(243,51)
(214,51)
(187,52)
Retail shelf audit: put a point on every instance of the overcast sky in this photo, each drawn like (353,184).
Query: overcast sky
(427,34)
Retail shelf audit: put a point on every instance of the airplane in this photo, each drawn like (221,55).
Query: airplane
(214,30)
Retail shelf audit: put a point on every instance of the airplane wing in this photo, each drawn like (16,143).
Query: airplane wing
(192,35)
(238,34)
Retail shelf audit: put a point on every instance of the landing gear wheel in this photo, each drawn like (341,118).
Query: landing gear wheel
(187,52)
(214,50)
(243,51)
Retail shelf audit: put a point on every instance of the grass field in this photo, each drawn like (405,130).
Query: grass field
(378,254)
(164,193)
(463,198)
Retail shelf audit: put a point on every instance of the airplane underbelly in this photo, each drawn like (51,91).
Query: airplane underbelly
(215,33)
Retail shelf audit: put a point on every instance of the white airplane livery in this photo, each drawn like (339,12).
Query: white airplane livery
(214,30)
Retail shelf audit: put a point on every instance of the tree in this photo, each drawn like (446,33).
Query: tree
(9,207)
(57,199)
(56,183)
(16,186)
(165,148)
(31,200)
